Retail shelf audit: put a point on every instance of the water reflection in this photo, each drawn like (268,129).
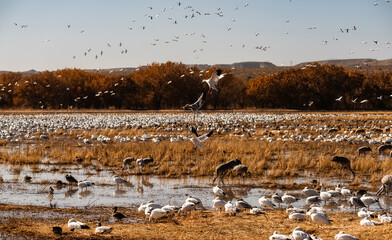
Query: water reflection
(70,192)
(142,188)
(119,192)
(84,194)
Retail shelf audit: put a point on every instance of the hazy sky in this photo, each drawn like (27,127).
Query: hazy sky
(186,33)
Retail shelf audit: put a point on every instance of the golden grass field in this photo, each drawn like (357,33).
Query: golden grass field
(199,225)
(268,161)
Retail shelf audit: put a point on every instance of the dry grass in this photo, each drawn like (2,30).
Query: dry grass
(200,225)
(264,159)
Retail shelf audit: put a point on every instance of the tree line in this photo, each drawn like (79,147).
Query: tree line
(171,85)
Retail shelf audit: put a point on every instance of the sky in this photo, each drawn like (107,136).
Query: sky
(54,34)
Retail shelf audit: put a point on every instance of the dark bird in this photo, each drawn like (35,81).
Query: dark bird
(344,162)
(70,179)
(27,178)
(57,230)
(78,160)
(118,215)
(384,147)
(360,193)
(363,150)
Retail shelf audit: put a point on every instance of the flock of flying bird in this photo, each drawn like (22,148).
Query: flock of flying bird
(188,13)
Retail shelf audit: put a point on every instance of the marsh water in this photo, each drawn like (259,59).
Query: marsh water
(17,191)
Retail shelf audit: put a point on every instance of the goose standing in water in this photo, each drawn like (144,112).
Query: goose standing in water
(277,199)
(118,180)
(218,191)
(85,184)
(70,179)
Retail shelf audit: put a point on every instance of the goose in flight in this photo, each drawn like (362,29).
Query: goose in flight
(197,140)
(196,105)
(339,99)
(213,80)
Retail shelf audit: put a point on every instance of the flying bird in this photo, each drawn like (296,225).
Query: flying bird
(197,140)
(213,80)
(196,105)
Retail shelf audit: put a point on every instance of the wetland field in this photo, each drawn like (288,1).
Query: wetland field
(284,151)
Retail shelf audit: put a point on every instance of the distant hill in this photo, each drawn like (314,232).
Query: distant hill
(252,69)
(352,62)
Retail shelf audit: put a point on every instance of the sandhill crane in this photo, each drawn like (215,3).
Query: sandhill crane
(141,162)
(383,148)
(363,150)
(386,182)
(127,162)
(241,170)
(222,169)
(344,162)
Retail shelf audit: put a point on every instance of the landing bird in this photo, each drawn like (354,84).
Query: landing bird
(213,80)
(197,140)
(196,105)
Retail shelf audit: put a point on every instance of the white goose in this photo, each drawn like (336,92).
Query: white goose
(213,80)
(103,229)
(73,224)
